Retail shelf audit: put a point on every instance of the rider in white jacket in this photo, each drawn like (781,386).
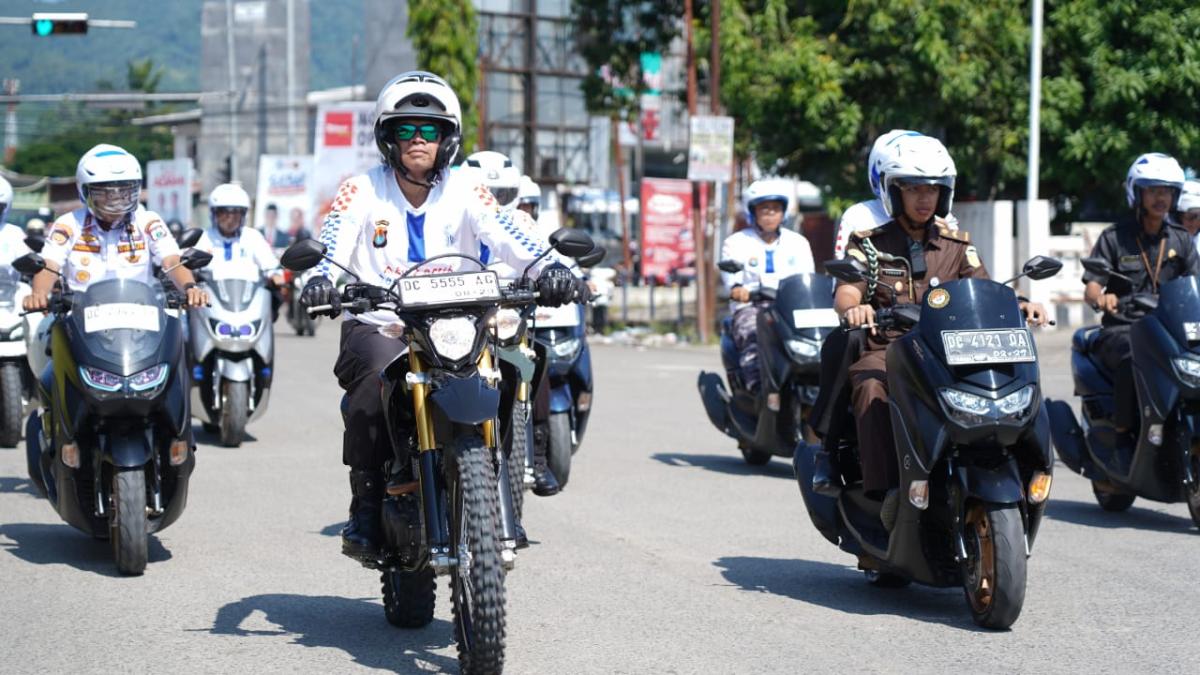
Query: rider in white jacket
(12,238)
(768,254)
(239,252)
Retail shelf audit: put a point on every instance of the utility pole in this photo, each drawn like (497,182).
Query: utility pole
(714,68)
(233,120)
(1035,113)
(626,252)
(291,77)
(700,264)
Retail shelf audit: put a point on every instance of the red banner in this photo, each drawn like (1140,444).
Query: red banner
(667,244)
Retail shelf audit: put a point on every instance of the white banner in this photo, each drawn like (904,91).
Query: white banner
(169,189)
(344,146)
(710,152)
(283,203)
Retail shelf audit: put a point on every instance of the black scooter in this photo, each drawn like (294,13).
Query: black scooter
(972,444)
(1163,464)
(770,422)
(111,449)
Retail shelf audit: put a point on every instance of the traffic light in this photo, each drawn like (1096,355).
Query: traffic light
(45,24)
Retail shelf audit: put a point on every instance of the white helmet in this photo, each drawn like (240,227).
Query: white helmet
(918,159)
(1153,168)
(109,181)
(529,193)
(496,171)
(1190,198)
(766,190)
(228,196)
(6,198)
(881,152)
(421,95)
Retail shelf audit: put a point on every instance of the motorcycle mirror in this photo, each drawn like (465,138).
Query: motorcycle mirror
(1041,267)
(1097,266)
(592,258)
(1146,303)
(29,264)
(189,237)
(194,260)
(35,242)
(571,243)
(303,255)
(730,266)
(847,270)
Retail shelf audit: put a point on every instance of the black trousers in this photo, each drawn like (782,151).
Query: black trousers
(1112,348)
(363,354)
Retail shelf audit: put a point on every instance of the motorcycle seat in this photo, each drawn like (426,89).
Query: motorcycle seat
(1084,339)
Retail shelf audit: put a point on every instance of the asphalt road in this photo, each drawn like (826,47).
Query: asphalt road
(667,554)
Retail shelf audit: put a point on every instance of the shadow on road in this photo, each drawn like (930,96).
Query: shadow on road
(730,464)
(15,485)
(63,545)
(355,626)
(333,530)
(1090,514)
(844,588)
(213,438)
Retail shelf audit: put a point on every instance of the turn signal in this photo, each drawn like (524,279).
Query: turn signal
(918,494)
(1154,434)
(584,402)
(70,455)
(179,452)
(1039,487)
(773,402)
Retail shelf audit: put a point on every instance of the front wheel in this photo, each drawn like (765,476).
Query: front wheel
(1193,491)
(128,521)
(477,579)
(754,457)
(994,571)
(1110,500)
(235,405)
(518,440)
(12,404)
(559,456)
(409,597)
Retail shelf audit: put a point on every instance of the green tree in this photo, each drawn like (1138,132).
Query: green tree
(611,36)
(445,34)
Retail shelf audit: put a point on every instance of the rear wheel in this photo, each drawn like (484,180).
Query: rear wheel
(127,521)
(994,571)
(477,579)
(409,597)
(559,455)
(12,404)
(235,405)
(1110,499)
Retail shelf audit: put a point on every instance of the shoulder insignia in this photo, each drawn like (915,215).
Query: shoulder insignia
(973,257)
(954,235)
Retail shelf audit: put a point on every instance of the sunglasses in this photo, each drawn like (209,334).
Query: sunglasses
(429,132)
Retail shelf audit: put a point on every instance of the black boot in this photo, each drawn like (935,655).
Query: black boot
(545,483)
(825,479)
(363,532)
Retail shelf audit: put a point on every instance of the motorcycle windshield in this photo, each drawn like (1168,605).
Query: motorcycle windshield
(1179,310)
(234,294)
(10,280)
(120,320)
(805,301)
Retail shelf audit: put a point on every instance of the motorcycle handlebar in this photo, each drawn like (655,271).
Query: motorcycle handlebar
(376,296)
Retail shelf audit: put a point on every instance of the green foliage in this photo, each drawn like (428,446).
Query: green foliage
(612,35)
(445,34)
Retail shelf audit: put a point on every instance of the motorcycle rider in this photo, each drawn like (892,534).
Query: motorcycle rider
(112,236)
(768,254)
(529,197)
(12,238)
(1148,249)
(383,222)
(239,252)
(1189,209)
(871,214)
(918,179)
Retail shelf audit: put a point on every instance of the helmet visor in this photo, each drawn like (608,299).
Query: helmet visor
(229,219)
(115,200)
(504,195)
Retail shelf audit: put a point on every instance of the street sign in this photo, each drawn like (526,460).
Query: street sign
(710,152)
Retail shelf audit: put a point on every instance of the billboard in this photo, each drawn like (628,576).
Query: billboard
(710,151)
(169,189)
(344,146)
(666,212)
(283,183)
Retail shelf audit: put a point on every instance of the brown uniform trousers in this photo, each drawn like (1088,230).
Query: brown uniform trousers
(948,255)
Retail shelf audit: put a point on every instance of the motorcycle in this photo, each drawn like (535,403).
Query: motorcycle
(972,445)
(16,380)
(233,352)
(1163,464)
(297,318)
(796,319)
(111,447)
(447,508)
(563,385)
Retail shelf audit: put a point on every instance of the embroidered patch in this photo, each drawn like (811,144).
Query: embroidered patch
(60,235)
(85,247)
(157,230)
(938,298)
(380,238)
(892,272)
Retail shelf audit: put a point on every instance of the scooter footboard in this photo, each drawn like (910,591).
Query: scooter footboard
(1067,436)
(716,400)
(822,510)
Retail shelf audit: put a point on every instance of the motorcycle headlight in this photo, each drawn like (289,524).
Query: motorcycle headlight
(971,409)
(452,338)
(803,348)
(16,333)
(100,379)
(508,321)
(566,348)
(1016,403)
(150,378)
(1188,370)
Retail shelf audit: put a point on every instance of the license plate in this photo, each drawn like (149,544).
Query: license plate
(816,318)
(978,347)
(120,315)
(449,289)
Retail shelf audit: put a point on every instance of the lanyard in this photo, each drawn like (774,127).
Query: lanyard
(1162,247)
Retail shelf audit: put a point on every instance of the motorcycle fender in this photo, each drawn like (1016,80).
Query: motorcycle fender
(999,485)
(235,371)
(126,450)
(523,364)
(466,400)
(561,399)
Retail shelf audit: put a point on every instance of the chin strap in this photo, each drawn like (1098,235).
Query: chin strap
(403,173)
